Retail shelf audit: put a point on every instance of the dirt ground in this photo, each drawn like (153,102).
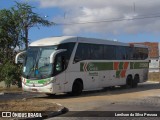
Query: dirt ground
(154,76)
(28,105)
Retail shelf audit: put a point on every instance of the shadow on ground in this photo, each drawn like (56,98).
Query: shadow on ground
(107,91)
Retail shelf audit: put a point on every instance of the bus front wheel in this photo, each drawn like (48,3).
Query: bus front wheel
(77,88)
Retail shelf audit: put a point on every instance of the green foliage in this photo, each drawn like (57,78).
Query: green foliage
(10,73)
(14,29)
(15,24)
(27,19)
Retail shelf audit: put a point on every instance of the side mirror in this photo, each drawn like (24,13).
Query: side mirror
(149,61)
(53,54)
(17,60)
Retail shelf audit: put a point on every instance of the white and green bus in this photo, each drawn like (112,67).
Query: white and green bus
(74,64)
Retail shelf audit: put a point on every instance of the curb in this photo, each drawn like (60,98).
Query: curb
(56,113)
(2,93)
(48,114)
(153,82)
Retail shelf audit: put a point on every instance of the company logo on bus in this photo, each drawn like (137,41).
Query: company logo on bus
(92,67)
(89,67)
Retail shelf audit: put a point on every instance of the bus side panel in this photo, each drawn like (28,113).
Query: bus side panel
(58,85)
(116,80)
(71,77)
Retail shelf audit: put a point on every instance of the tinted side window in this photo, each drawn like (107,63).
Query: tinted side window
(121,53)
(68,46)
(87,51)
(96,52)
(129,55)
(141,53)
(135,53)
(145,53)
(82,52)
(109,52)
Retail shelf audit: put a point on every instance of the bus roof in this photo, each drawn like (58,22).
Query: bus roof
(53,41)
(65,39)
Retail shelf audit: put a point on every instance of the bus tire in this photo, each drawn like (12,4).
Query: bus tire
(135,81)
(129,82)
(77,88)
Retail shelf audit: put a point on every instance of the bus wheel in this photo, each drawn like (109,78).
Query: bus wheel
(129,82)
(77,88)
(135,81)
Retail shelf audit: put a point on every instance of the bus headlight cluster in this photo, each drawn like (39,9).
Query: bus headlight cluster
(53,79)
(23,80)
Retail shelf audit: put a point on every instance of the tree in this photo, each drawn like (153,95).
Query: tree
(14,29)
(8,35)
(27,20)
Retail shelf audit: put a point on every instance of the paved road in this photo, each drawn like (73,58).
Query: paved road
(144,98)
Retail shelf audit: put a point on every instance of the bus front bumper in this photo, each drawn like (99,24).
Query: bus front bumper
(39,89)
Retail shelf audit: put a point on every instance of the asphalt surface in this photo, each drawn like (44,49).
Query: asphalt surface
(146,97)
(95,105)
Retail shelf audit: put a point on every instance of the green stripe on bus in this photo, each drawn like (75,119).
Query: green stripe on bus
(81,66)
(42,81)
(96,66)
(131,65)
(99,66)
(121,65)
(139,65)
(118,74)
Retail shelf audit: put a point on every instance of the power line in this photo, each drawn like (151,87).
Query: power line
(112,20)
(65,16)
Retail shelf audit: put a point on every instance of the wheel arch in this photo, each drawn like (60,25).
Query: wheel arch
(80,80)
(129,76)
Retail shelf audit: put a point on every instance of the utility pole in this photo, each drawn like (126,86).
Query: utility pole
(134,7)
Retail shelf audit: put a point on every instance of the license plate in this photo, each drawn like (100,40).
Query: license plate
(35,90)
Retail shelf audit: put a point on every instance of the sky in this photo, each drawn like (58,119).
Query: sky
(121,20)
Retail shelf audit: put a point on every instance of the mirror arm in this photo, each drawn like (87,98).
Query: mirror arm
(53,54)
(51,57)
(21,53)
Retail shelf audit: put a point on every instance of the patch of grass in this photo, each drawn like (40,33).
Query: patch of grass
(11,89)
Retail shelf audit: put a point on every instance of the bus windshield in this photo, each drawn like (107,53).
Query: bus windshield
(37,62)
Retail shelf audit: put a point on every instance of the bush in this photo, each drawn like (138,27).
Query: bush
(10,73)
